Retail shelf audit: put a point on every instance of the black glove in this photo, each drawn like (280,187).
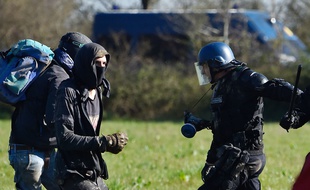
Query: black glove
(197,122)
(114,143)
(287,122)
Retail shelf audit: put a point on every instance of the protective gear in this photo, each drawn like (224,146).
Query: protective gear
(252,79)
(114,143)
(198,123)
(225,172)
(232,103)
(217,56)
(85,70)
(248,178)
(204,77)
(279,89)
(287,122)
(300,113)
(72,42)
(207,171)
(237,119)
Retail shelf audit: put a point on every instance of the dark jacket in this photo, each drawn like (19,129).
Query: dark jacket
(79,145)
(237,108)
(78,142)
(32,119)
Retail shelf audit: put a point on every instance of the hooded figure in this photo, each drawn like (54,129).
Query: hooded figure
(89,75)
(33,119)
(68,46)
(71,42)
(78,118)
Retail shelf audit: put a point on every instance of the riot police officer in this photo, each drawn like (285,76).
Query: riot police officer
(236,157)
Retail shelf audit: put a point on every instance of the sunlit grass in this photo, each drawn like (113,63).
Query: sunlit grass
(159,157)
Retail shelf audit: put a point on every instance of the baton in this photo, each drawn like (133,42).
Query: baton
(294,93)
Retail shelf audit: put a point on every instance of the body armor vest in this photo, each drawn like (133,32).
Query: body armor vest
(237,111)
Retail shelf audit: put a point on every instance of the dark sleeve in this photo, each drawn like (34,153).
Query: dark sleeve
(56,77)
(278,89)
(275,89)
(66,121)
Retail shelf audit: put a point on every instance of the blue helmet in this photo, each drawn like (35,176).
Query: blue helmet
(216,55)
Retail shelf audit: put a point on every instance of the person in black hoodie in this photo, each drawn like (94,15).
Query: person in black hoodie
(78,116)
(32,140)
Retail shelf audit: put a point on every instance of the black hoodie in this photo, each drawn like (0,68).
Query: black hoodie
(85,71)
(79,145)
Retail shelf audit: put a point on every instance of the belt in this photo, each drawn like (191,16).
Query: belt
(15,147)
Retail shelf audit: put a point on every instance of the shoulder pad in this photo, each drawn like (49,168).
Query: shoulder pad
(253,79)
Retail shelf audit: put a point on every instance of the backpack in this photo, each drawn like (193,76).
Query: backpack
(20,66)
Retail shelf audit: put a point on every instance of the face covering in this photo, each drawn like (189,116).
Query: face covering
(100,71)
(85,71)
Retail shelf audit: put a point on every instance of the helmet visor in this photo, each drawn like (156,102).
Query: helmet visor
(203,73)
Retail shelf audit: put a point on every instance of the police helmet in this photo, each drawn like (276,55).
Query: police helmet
(217,55)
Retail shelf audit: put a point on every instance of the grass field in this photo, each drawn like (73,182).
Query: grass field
(158,157)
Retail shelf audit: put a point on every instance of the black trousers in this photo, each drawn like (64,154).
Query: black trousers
(249,181)
(77,182)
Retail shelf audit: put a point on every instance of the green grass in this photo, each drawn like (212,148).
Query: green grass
(159,157)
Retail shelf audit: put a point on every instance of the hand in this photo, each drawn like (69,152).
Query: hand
(287,122)
(115,142)
(187,116)
(198,123)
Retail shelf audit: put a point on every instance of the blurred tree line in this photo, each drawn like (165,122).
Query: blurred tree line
(44,20)
(144,87)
